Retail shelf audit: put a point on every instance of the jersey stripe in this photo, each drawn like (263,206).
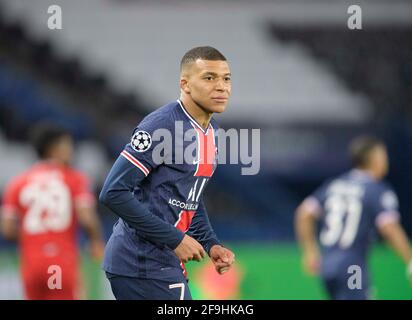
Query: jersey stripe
(206,149)
(183,224)
(136,162)
(185,219)
(184,271)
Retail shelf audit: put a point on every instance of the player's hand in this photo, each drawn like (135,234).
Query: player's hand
(311,262)
(409,272)
(96,248)
(190,249)
(222,258)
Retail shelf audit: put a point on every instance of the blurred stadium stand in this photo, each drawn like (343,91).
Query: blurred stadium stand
(130,43)
(299,75)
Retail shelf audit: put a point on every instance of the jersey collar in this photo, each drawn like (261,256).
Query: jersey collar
(194,122)
(361,174)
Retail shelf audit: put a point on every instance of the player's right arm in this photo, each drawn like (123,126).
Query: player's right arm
(118,193)
(9,224)
(10,211)
(305,227)
(388,224)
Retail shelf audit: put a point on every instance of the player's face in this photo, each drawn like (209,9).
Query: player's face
(209,84)
(380,161)
(63,150)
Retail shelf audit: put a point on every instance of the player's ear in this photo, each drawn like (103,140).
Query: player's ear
(184,85)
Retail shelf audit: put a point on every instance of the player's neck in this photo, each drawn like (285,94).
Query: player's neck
(53,161)
(198,113)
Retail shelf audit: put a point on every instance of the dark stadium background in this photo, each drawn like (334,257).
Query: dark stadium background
(299,74)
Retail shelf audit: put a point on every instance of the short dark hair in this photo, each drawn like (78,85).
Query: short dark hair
(204,53)
(360,149)
(44,135)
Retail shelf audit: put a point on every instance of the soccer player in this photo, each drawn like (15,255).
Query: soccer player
(350,208)
(41,209)
(163,220)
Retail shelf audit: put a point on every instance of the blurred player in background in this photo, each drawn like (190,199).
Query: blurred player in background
(41,209)
(350,208)
(163,220)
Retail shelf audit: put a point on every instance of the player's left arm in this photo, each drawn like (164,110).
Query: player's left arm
(388,224)
(85,208)
(305,227)
(9,223)
(395,235)
(201,230)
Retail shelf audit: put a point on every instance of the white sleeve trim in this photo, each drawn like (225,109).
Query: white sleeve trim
(386,217)
(135,162)
(311,206)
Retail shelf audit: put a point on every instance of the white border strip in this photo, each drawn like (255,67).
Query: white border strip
(136,162)
(386,217)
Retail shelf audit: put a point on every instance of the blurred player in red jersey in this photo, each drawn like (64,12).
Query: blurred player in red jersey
(41,209)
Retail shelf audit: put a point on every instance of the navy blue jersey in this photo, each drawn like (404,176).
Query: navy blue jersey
(350,207)
(158,195)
